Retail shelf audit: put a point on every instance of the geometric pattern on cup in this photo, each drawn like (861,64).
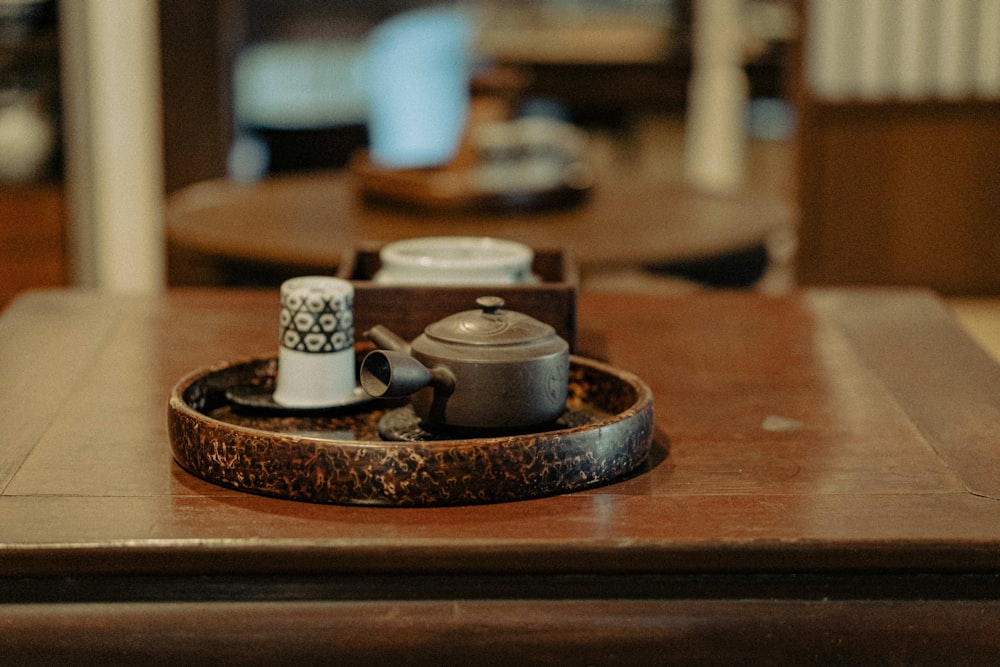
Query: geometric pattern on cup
(317,323)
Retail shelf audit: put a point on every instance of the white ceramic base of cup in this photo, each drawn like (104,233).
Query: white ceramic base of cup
(308,380)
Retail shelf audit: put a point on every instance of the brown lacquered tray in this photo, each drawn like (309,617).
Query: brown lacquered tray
(340,457)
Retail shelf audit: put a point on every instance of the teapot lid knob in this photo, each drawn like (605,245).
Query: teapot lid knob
(490,304)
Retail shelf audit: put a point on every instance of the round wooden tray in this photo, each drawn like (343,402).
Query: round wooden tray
(340,458)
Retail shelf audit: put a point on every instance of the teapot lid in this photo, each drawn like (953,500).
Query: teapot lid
(490,325)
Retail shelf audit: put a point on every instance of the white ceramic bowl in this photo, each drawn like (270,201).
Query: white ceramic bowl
(455,260)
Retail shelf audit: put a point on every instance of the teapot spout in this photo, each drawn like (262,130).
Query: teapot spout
(391,374)
(386,339)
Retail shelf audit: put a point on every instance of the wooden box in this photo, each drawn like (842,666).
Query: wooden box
(407,309)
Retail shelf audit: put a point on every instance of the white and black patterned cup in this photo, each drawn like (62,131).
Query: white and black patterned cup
(316,353)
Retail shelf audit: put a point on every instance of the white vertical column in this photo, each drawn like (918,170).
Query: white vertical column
(987,67)
(827,55)
(876,37)
(715,125)
(955,48)
(114,163)
(913,53)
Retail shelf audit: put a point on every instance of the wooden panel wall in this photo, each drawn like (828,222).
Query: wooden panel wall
(897,188)
(901,193)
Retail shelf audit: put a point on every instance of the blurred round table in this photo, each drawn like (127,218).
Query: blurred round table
(309,221)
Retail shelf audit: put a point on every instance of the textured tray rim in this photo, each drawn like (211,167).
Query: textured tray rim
(193,433)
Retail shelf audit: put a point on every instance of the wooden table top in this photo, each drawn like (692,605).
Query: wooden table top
(823,488)
(822,431)
(314,218)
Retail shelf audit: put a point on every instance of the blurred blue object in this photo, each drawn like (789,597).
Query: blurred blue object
(417,71)
(248,159)
(545,107)
(770,118)
(299,85)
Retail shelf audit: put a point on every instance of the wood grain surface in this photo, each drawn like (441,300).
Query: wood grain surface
(829,445)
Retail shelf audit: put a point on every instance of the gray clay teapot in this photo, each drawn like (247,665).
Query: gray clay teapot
(478,369)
